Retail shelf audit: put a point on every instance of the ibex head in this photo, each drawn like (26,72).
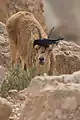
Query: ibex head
(43,48)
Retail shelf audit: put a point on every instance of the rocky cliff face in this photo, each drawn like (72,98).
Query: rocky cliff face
(4,46)
(9,7)
(67,55)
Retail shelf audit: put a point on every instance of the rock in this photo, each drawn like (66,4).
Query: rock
(13,92)
(67,55)
(2,74)
(2,28)
(8,7)
(48,99)
(4,46)
(5,109)
(21,97)
(40,82)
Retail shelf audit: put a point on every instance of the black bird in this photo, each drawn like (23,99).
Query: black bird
(46,41)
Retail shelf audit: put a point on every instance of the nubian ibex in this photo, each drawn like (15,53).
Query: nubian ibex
(28,39)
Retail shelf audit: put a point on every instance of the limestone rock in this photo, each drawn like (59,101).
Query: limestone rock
(2,74)
(4,46)
(48,99)
(2,28)
(5,109)
(67,55)
(9,7)
(40,82)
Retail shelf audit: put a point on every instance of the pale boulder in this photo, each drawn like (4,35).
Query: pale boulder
(67,55)
(53,98)
(5,109)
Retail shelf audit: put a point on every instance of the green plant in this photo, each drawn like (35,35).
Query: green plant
(17,79)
